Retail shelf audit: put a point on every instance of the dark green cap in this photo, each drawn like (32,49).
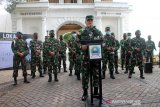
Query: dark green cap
(89,17)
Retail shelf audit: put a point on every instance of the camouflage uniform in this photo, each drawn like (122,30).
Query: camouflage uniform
(123,50)
(72,54)
(117,45)
(36,45)
(108,55)
(62,55)
(52,46)
(128,53)
(19,46)
(78,59)
(45,57)
(138,46)
(150,46)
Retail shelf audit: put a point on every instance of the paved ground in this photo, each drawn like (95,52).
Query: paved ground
(121,92)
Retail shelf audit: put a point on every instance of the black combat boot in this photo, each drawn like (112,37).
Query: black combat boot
(78,76)
(116,71)
(126,71)
(55,77)
(15,81)
(141,74)
(33,75)
(65,69)
(50,77)
(103,76)
(70,74)
(85,95)
(111,75)
(41,75)
(130,74)
(25,80)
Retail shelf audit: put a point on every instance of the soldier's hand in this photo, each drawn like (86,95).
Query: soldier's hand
(52,53)
(108,48)
(38,52)
(84,47)
(137,49)
(21,54)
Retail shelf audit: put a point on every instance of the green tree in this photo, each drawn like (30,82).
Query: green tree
(11,5)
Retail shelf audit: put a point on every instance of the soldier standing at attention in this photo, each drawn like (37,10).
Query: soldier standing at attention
(36,48)
(20,50)
(52,49)
(117,45)
(128,49)
(150,46)
(45,56)
(108,55)
(123,50)
(138,45)
(62,54)
(89,33)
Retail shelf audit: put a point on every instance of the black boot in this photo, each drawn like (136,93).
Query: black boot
(25,80)
(41,75)
(55,77)
(50,77)
(130,74)
(116,71)
(103,76)
(65,69)
(126,71)
(111,75)
(15,81)
(78,76)
(85,95)
(141,74)
(70,74)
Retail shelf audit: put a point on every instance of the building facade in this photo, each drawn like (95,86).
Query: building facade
(69,15)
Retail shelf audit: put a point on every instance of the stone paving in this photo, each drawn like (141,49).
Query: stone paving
(121,92)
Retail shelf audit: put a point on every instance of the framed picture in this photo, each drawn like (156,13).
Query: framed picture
(95,51)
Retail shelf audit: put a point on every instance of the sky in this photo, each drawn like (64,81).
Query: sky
(145,16)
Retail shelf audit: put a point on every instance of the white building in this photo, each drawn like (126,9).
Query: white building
(69,15)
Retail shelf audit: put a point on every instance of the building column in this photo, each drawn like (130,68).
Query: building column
(120,28)
(19,24)
(97,1)
(43,0)
(61,1)
(99,23)
(43,34)
(79,1)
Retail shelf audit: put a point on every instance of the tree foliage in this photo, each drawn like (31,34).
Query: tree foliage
(11,5)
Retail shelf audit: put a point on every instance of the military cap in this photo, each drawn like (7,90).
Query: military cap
(129,34)
(89,17)
(107,28)
(51,32)
(19,33)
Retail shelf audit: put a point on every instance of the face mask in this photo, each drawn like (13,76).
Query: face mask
(108,33)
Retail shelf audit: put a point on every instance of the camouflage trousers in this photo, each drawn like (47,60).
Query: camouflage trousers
(107,57)
(149,57)
(53,64)
(122,58)
(136,60)
(72,62)
(87,67)
(128,61)
(116,60)
(62,57)
(78,64)
(16,62)
(36,61)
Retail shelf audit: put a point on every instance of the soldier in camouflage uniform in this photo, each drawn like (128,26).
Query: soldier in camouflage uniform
(89,33)
(116,53)
(123,50)
(72,52)
(150,46)
(20,50)
(45,56)
(36,48)
(138,46)
(108,54)
(62,54)
(128,53)
(52,50)
(78,60)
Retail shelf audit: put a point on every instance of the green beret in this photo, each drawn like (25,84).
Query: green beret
(89,17)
